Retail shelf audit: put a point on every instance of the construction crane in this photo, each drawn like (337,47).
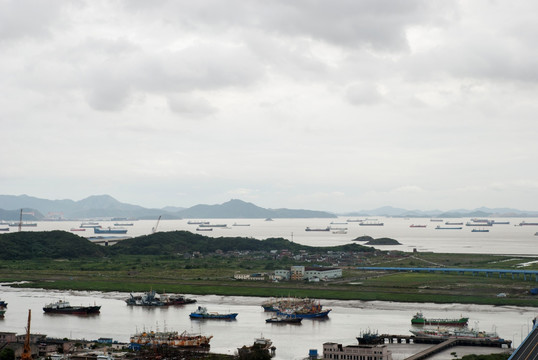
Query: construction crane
(27,351)
(154,229)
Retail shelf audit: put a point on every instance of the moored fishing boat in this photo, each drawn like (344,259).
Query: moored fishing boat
(202,313)
(63,307)
(147,299)
(419,319)
(176,299)
(169,338)
(456,334)
(281,319)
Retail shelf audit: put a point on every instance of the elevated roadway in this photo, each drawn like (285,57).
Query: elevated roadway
(528,350)
(487,272)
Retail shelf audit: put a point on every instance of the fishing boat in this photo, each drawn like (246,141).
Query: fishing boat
(63,307)
(149,298)
(340,232)
(453,223)
(417,226)
(169,338)
(202,313)
(419,319)
(438,227)
(176,300)
(237,224)
(281,319)
(261,345)
(312,311)
(123,224)
(109,230)
(212,225)
(480,230)
(204,229)
(196,222)
(77,229)
(278,304)
(4,229)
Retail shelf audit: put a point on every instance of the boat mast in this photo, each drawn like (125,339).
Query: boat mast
(20,221)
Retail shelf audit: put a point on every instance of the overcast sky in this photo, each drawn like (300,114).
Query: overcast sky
(325,105)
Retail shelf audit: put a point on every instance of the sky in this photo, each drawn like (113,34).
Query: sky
(326,105)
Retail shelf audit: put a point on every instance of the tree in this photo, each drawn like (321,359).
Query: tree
(7,354)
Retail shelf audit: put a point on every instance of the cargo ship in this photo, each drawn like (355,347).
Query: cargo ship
(328,228)
(523,223)
(63,307)
(419,319)
(109,230)
(371,223)
(202,313)
(169,338)
(438,227)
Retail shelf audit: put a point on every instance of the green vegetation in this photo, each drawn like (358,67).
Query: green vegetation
(182,262)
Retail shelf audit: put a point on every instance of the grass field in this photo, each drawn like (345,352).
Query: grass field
(215,276)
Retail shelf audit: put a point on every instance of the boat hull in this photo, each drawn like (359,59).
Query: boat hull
(75,310)
(214,316)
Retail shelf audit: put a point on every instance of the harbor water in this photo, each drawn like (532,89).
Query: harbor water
(346,321)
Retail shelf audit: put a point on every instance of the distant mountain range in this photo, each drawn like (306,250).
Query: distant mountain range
(459,213)
(105,206)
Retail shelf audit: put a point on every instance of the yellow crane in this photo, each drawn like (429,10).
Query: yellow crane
(27,351)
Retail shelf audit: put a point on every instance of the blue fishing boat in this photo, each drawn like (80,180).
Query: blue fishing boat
(202,313)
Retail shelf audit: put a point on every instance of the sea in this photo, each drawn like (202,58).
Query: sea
(346,321)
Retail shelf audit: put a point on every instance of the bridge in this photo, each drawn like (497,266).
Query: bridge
(528,349)
(461,271)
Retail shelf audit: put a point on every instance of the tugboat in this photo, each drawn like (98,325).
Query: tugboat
(202,313)
(63,307)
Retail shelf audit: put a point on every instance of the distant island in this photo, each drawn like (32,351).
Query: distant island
(368,240)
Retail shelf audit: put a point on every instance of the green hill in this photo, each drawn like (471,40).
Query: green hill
(165,243)
(47,244)
(64,245)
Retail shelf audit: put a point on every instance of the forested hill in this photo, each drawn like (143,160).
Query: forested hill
(47,244)
(64,245)
(184,241)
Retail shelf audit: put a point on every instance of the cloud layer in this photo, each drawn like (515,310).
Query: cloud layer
(309,104)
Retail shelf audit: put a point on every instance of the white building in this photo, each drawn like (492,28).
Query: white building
(311,273)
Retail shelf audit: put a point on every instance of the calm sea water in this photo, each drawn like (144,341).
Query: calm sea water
(346,321)
(501,239)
